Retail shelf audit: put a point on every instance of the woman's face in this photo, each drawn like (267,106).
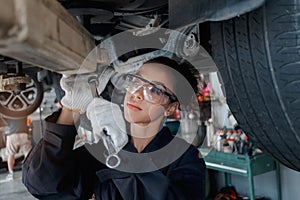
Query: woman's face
(142,112)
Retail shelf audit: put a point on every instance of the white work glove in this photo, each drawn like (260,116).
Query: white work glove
(80,89)
(107,116)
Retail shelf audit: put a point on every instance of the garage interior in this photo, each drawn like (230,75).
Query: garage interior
(249,72)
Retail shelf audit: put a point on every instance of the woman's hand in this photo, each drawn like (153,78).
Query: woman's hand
(78,91)
(81,89)
(107,120)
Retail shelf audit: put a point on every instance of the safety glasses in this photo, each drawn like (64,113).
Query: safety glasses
(152,93)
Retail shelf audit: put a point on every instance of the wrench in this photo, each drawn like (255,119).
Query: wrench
(112,159)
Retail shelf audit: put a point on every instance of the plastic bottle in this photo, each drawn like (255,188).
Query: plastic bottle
(238,142)
(218,140)
(226,147)
(230,138)
(241,146)
(219,143)
(245,148)
(228,134)
(235,137)
(234,134)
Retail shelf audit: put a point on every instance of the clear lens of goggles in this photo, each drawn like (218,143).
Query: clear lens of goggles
(151,92)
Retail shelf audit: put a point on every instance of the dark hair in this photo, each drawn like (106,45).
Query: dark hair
(187,70)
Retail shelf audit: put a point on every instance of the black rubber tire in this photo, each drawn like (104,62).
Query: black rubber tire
(30,107)
(258,57)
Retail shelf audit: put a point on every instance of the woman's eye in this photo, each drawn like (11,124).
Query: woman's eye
(155,91)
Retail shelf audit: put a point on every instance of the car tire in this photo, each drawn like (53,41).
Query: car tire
(258,57)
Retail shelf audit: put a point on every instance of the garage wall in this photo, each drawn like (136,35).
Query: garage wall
(290,182)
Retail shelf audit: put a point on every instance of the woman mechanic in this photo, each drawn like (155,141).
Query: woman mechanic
(53,170)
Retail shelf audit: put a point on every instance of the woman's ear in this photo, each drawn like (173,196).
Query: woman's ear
(171,109)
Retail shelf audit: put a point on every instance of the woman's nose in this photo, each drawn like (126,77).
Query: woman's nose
(138,94)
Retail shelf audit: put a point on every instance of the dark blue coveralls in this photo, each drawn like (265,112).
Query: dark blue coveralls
(53,170)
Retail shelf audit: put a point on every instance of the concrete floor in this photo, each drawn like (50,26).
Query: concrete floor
(13,189)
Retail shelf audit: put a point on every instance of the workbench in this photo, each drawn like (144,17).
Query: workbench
(242,165)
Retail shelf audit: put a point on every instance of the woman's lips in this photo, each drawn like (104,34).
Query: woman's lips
(133,107)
